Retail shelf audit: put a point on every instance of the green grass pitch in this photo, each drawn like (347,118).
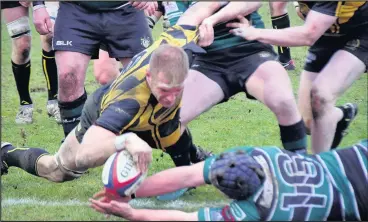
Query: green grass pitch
(237,122)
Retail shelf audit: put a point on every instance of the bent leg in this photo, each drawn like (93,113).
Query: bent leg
(343,68)
(275,91)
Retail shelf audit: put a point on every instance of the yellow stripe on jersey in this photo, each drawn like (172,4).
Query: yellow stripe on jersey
(346,10)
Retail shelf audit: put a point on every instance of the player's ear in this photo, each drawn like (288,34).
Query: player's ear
(148,75)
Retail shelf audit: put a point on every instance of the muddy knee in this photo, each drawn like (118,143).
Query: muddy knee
(319,101)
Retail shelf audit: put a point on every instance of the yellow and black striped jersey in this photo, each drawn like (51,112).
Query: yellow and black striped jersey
(128,105)
(352,16)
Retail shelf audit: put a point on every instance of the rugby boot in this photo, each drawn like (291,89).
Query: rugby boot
(350,111)
(200,155)
(53,110)
(24,115)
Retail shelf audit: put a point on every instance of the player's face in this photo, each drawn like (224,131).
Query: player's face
(167,95)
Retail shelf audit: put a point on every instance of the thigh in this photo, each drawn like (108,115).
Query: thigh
(105,68)
(339,74)
(250,62)
(358,46)
(321,51)
(76,30)
(134,35)
(200,94)
(17,21)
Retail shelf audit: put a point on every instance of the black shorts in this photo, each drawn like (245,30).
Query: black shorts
(10,4)
(323,49)
(231,67)
(123,32)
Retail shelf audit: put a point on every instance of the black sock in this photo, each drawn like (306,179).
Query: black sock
(179,152)
(22,75)
(281,22)
(24,158)
(294,137)
(70,113)
(50,72)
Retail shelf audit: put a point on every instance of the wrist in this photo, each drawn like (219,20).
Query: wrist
(120,141)
(36,7)
(255,33)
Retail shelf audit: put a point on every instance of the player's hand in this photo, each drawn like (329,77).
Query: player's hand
(206,33)
(243,29)
(148,7)
(25,3)
(42,21)
(115,208)
(106,197)
(140,150)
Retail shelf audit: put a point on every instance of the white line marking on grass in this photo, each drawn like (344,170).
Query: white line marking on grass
(137,203)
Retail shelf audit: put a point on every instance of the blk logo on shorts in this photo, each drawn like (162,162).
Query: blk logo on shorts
(64,43)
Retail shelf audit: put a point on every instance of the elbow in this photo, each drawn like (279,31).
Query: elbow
(311,35)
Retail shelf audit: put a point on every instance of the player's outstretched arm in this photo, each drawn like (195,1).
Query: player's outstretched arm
(314,27)
(125,211)
(171,180)
(99,144)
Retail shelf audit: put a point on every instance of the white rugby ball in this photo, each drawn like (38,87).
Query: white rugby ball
(120,174)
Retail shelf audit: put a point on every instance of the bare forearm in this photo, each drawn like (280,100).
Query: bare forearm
(198,12)
(233,9)
(171,180)
(163,215)
(294,36)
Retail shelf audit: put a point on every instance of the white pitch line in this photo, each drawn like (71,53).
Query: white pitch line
(137,203)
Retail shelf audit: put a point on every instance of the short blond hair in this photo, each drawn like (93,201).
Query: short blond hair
(172,61)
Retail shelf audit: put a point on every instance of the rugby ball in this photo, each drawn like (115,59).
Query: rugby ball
(121,175)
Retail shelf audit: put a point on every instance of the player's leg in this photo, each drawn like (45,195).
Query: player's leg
(105,69)
(63,166)
(76,39)
(197,99)
(49,66)
(38,162)
(304,104)
(17,22)
(344,68)
(280,20)
(266,80)
(275,91)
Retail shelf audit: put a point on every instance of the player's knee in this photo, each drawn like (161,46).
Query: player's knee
(282,105)
(22,49)
(105,76)
(70,82)
(47,40)
(319,100)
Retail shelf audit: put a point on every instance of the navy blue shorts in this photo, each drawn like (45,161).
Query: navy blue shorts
(123,33)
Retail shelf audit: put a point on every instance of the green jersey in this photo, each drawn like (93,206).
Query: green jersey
(327,186)
(222,37)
